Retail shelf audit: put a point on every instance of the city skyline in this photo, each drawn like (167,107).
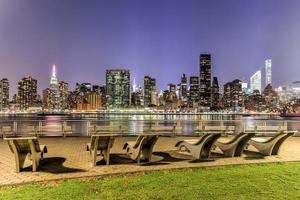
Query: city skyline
(54,80)
(88,38)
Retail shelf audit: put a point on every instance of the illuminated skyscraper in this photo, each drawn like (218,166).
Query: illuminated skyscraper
(53,79)
(63,93)
(118,87)
(215,94)
(268,70)
(54,96)
(27,92)
(172,88)
(134,87)
(255,81)
(194,89)
(183,87)
(205,80)
(150,93)
(4,94)
(233,97)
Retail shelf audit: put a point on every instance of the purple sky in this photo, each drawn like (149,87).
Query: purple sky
(160,38)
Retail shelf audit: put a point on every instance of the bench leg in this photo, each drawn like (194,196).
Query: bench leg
(20,159)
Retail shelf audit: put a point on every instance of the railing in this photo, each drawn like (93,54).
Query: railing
(181,127)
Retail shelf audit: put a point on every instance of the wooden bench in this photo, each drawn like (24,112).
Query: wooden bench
(199,148)
(270,146)
(23,146)
(142,148)
(101,143)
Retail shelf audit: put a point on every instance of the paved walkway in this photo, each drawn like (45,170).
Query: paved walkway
(68,158)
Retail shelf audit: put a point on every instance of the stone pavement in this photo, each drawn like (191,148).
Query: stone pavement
(68,158)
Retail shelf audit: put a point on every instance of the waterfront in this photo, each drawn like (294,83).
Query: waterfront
(138,123)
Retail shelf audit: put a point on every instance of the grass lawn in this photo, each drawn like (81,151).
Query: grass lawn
(262,181)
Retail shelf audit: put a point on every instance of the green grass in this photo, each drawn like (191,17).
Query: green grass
(262,181)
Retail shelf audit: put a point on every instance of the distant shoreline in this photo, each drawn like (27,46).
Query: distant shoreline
(132,112)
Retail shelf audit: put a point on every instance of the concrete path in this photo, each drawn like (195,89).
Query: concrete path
(68,158)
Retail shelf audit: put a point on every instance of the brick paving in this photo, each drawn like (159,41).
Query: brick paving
(68,158)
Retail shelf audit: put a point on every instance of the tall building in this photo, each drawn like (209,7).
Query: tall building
(150,92)
(233,97)
(227,95)
(54,95)
(137,97)
(134,87)
(102,89)
(45,97)
(205,80)
(215,94)
(255,81)
(94,100)
(63,93)
(268,71)
(27,92)
(183,87)
(4,94)
(194,89)
(118,87)
(172,88)
(271,98)
(245,88)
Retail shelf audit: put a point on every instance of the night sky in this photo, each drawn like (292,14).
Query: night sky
(160,38)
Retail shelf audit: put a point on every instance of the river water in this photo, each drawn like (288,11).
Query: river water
(138,123)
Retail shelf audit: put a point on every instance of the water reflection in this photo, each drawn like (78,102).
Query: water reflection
(138,123)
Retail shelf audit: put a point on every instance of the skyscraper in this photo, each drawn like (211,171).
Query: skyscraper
(183,87)
(54,95)
(118,87)
(94,100)
(194,89)
(150,93)
(268,70)
(27,92)
(215,94)
(255,81)
(63,93)
(4,94)
(205,80)
(233,95)
(172,88)
(137,97)
(46,98)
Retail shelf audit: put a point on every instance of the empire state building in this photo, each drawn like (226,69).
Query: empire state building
(53,79)
(54,91)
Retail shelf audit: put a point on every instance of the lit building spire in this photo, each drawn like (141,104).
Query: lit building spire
(53,79)
(54,70)
(134,85)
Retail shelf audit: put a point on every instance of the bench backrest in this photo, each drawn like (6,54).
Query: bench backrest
(145,141)
(23,145)
(6,129)
(102,142)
